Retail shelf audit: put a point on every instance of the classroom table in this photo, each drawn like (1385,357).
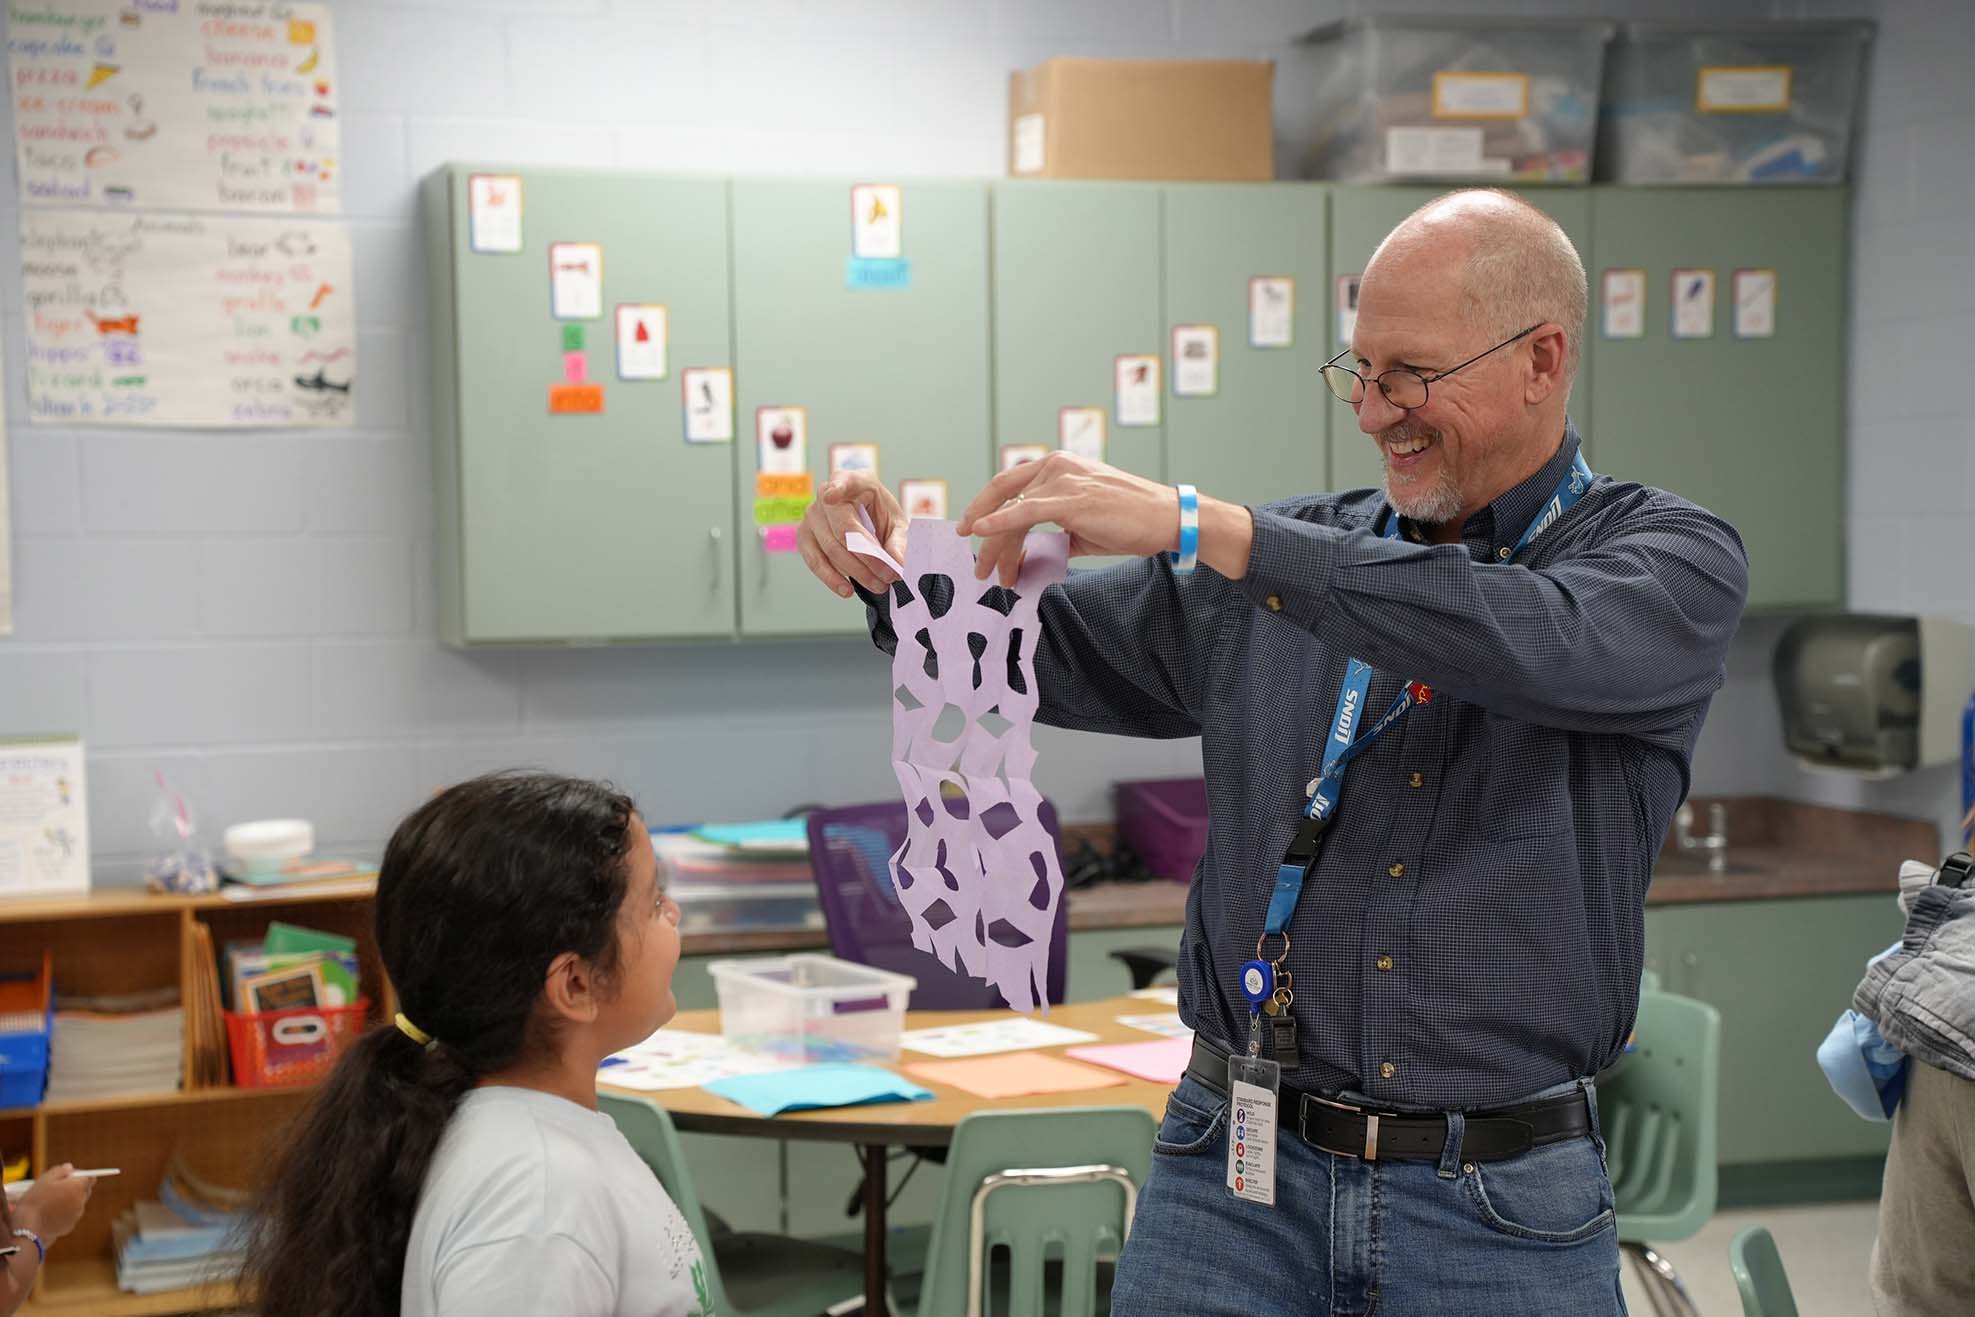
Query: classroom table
(878,1127)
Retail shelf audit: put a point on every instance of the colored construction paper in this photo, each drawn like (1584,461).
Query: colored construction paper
(1163,1061)
(809,1087)
(1013,1074)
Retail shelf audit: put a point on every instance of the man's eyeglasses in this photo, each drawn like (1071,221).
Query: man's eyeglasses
(1404,389)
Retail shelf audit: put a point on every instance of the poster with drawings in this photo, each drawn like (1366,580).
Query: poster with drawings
(198,320)
(175,104)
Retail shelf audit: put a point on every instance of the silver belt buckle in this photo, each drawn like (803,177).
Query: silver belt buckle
(1370,1152)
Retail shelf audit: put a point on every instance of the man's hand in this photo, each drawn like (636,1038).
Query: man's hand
(1105,511)
(52,1207)
(833,515)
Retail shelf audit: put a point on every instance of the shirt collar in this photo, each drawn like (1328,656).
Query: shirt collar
(1497,526)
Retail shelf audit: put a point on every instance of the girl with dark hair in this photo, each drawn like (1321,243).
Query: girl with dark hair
(455,1162)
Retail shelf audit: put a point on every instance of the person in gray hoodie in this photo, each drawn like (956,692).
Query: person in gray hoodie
(1922,998)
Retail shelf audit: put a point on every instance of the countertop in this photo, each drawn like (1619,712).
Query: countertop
(1777,849)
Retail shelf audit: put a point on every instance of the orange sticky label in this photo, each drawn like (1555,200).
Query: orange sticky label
(767,484)
(300,32)
(564,398)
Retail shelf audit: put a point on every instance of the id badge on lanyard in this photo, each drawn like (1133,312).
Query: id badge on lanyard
(1254,1091)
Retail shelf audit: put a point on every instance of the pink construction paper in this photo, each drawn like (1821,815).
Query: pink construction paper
(1013,1074)
(1162,1061)
(778,539)
(978,873)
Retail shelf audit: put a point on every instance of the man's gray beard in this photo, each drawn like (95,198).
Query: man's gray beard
(1439,504)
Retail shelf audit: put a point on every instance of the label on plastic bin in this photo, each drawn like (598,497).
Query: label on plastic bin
(1433,151)
(1742,89)
(1480,95)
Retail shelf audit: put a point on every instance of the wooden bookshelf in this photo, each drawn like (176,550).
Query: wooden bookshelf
(128,941)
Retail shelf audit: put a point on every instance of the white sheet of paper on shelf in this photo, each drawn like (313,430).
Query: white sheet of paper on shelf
(1014,1034)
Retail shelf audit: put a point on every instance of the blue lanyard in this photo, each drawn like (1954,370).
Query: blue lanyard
(1348,739)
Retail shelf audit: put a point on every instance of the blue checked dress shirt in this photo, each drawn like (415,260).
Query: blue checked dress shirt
(1473,931)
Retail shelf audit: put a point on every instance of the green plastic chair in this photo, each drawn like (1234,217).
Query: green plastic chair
(1660,1117)
(1759,1275)
(757,1275)
(1029,1181)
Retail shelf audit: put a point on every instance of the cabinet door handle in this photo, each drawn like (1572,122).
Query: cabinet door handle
(713,542)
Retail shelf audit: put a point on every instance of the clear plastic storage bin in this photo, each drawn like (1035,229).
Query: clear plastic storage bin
(1448,98)
(811,1009)
(1732,103)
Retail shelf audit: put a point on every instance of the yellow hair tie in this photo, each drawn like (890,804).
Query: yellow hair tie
(413,1032)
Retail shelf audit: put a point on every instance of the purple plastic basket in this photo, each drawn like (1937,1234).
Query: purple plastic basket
(1165,822)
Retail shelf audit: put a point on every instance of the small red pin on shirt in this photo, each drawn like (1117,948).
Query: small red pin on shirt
(1420,692)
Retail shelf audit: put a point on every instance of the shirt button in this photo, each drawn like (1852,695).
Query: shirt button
(1416,779)
(1273,603)
(1384,962)
(1397,870)
(1503,553)
(1386,1070)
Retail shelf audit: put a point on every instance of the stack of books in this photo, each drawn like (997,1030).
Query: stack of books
(115,1044)
(190,1237)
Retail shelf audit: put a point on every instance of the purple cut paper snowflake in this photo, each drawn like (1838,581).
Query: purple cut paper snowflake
(978,872)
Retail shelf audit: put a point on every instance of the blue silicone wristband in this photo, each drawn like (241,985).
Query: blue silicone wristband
(1189,550)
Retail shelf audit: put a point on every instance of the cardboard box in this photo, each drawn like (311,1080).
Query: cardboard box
(1149,119)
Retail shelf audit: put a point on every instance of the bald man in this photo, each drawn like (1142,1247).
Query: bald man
(1444,725)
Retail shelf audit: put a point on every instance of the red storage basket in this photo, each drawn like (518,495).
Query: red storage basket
(281,1049)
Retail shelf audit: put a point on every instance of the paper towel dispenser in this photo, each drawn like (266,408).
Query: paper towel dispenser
(1873,694)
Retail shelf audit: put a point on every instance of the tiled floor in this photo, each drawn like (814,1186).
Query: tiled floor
(1825,1248)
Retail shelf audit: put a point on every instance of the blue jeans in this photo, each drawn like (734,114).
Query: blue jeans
(1527,1236)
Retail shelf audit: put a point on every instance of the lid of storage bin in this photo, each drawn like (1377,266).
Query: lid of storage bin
(1339,28)
(1654,29)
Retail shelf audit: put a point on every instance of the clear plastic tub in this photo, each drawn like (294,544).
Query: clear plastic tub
(806,1010)
(1758,103)
(1449,99)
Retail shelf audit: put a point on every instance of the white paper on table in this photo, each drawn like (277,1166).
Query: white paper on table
(1165,992)
(671,1059)
(1166,1026)
(1014,1034)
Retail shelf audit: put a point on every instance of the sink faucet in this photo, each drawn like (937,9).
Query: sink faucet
(1715,843)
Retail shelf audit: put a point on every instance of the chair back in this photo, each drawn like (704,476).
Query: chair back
(651,1134)
(1759,1275)
(850,851)
(1660,1118)
(1038,1183)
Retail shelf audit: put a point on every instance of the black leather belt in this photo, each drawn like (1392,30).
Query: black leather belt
(1389,1136)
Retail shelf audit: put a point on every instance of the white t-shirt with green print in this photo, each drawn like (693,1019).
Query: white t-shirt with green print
(536,1205)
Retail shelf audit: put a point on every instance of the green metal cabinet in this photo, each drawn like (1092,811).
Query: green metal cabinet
(589,526)
(904,367)
(1751,428)
(1779,972)
(1076,285)
(1262,435)
(1359,220)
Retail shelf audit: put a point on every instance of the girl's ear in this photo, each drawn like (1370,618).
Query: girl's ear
(571,988)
